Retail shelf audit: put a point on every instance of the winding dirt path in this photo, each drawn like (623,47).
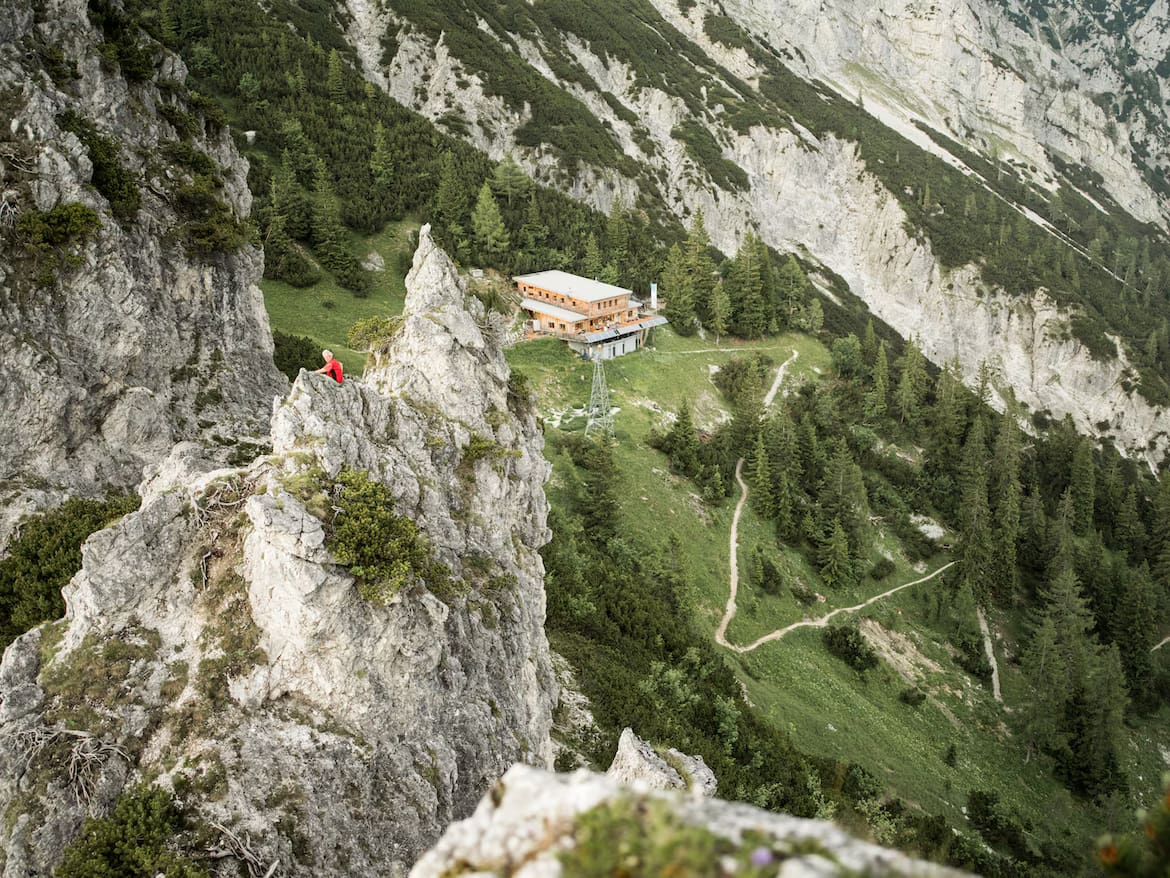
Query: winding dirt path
(988,648)
(729,612)
(771,394)
(733,541)
(1165,640)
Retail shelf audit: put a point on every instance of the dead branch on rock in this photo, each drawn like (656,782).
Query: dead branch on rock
(88,755)
(232,846)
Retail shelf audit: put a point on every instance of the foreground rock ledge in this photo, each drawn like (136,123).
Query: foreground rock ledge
(531,817)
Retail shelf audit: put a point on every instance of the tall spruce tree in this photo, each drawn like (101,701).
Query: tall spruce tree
(760,478)
(680,306)
(836,560)
(491,235)
(1082,486)
(701,271)
(912,384)
(718,311)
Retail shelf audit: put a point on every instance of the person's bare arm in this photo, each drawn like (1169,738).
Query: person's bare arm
(319,371)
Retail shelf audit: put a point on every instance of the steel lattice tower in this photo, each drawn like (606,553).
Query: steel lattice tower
(600,415)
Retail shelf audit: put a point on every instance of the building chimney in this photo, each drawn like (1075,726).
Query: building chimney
(653,297)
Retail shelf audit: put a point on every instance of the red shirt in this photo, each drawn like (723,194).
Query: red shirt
(333,369)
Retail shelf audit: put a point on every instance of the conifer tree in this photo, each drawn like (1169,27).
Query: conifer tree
(842,496)
(382,159)
(836,562)
(680,310)
(1081,485)
(491,235)
(701,271)
(681,442)
(1006,505)
(875,399)
(1135,620)
(911,389)
(617,238)
(869,343)
(812,317)
(287,199)
(1129,530)
(791,292)
(335,80)
(718,311)
(745,289)
(593,264)
(450,203)
(168,25)
(533,232)
(760,478)
(509,180)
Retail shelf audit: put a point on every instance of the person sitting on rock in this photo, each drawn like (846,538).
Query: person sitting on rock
(332,366)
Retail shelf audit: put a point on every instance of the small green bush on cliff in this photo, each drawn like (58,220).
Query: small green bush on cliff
(43,558)
(110,177)
(385,551)
(133,842)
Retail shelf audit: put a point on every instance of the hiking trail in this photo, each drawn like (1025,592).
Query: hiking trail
(779,633)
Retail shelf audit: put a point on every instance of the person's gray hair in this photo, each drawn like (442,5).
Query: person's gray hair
(327,354)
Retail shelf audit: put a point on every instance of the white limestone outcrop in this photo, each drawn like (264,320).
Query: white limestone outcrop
(221,647)
(530,819)
(637,764)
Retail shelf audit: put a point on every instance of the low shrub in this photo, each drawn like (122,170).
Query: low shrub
(292,352)
(44,556)
(883,568)
(912,696)
(133,842)
(848,644)
(384,551)
(110,177)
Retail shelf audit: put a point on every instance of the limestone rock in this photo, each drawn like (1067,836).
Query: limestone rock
(231,653)
(639,765)
(530,818)
(134,342)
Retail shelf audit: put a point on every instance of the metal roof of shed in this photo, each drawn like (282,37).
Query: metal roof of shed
(572,285)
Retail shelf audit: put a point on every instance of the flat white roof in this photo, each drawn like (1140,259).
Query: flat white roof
(552,311)
(566,284)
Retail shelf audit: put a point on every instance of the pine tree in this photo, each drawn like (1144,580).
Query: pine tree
(450,204)
(876,398)
(1130,532)
(681,443)
(812,317)
(491,235)
(791,291)
(1044,668)
(1135,620)
(718,311)
(869,343)
(509,180)
(911,389)
(1081,485)
(836,562)
(287,199)
(617,238)
(382,159)
(842,496)
(679,310)
(533,232)
(593,265)
(335,80)
(760,478)
(701,272)
(744,288)
(168,26)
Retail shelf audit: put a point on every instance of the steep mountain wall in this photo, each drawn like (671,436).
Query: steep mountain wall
(806,194)
(215,641)
(1019,83)
(119,343)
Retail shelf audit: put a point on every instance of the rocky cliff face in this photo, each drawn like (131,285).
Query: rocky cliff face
(213,643)
(119,343)
(1021,81)
(581,823)
(807,194)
